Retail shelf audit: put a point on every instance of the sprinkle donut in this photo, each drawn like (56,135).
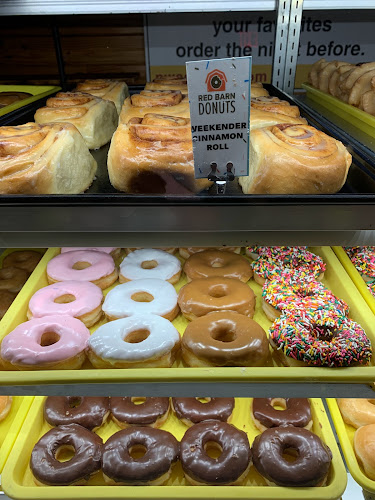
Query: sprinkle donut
(364,262)
(271,252)
(146,296)
(319,337)
(150,263)
(79,299)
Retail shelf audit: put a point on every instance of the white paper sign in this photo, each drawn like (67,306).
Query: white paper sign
(219,98)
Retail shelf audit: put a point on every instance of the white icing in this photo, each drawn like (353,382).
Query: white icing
(119,303)
(108,343)
(131,266)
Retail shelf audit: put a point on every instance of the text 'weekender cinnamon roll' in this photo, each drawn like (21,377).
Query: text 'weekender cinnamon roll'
(109,90)
(153,154)
(170,102)
(94,117)
(44,159)
(295,159)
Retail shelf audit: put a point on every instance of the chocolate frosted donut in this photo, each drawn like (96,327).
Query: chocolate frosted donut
(215,453)
(311,466)
(86,461)
(151,412)
(90,412)
(139,455)
(192,410)
(296,412)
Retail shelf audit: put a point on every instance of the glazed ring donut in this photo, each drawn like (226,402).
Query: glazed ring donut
(145,341)
(364,262)
(23,259)
(296,412)
(224,339)
(319,338)
(257,251)
(6,300)
(211,263)
(149,412)
(287,290)
(194,410)
(310,468)
(357,412)
(90,412)
(52,342)
(115,252)
(205,295)
(122,466)
(170,250)
(86,462)
(83,265)
(79,299)
(199,443)
(150,263)
(146,296)
(12,279)
(186,252)
(364,446)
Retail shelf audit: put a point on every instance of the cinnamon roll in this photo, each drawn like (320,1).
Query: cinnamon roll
(170,102)
(313,76)
(152,154)
(367,102)
(109,90)
(260,118)
(274,105)
(295,159)
(168,82)
(44,159)
(94,117)
(258,91)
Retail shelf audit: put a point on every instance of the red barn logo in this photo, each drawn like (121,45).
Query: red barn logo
(215,81)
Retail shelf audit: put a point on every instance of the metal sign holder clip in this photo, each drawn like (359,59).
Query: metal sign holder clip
(221,180)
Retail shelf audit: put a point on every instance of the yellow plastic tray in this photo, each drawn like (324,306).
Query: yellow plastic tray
(38,91)
(18,481)
(355,276)
(335,278)
(362,120)
(345,434)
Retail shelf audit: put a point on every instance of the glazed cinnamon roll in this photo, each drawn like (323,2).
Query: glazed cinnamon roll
(168,82)
(260,118)
(150,153)
(258,91)
(44,159)
(94,117)
(109,90)
(274,105)
(295,159)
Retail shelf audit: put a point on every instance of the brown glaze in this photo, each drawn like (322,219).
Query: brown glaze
(225,339)
(6,299)
(12,279)
(206,295)
(162,451)
(310,467)
(211,263)
(90,412)
(23,259)
(297,412)
(228,467)
(86,461)
(147,413)
(195,411)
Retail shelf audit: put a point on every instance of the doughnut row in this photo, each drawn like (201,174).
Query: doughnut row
(211,452)
(363,259)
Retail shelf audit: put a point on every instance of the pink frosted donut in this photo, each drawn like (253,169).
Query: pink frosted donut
(52,342)
(79,299)
(83,265)
(114,251)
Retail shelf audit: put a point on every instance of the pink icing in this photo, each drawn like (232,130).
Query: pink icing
(88,297)
(60,268)
(22,345)
(95,249)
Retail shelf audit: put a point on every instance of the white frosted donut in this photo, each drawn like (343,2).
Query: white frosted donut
(147,296)
(150,263)
(138,341)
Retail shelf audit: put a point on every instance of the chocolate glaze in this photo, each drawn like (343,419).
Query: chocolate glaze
(310,467)
(90,411)
(147,413)
(193,410)
(297,412)
(86,461)
(225,469)
(162,451)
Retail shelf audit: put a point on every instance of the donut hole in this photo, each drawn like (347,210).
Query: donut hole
(137,336)
(223,333)
(142,297)
(137,451)
(65,299)
(138,401)
(217,291)
(203,400)
(74,401)
(278,404)
(64,453)
(213,449)
(49,338)
(302,293)
(78,266)
(149,264)
(323,332)
(290,454)
(217,263)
